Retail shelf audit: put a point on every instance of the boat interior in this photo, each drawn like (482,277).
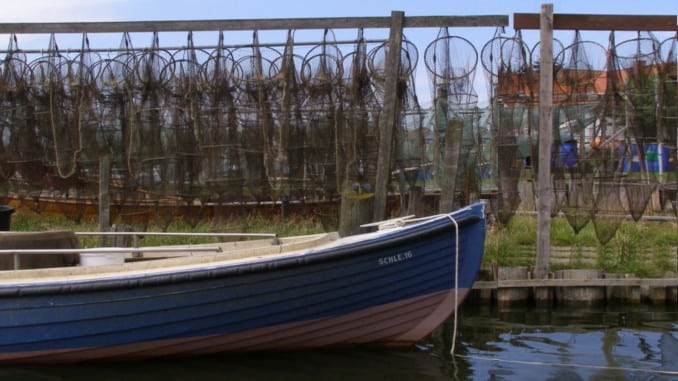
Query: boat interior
(58,253)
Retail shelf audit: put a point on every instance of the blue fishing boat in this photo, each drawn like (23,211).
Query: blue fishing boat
(389,287)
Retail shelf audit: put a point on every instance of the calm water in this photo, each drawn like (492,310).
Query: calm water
(518,344)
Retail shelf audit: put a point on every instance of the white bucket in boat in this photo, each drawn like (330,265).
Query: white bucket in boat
(99,259)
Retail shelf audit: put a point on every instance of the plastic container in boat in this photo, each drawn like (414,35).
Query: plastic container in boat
(101,259)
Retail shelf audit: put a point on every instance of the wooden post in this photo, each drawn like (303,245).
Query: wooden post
(546,21)
(104,197)
(545,141)
(389,117)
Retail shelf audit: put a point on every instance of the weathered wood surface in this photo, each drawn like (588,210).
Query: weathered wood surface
(387,122)
(545,141)
(602,282)
(252,24)
(566,21)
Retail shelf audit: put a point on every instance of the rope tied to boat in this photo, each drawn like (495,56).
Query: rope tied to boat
(456,281)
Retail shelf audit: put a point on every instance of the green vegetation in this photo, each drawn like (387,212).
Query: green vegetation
(27,220)
(646,248)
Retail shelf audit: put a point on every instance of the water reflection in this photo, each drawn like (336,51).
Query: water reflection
(411,364)
(639,343)
(570,344)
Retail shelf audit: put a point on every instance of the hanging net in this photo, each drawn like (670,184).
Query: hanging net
(20,158)
(506,60)
(358,137)
(577,92)
(451,62)
(219,136)
(321,76)
(667,121)
(637,59)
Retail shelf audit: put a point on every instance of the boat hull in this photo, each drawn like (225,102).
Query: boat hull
(391,289)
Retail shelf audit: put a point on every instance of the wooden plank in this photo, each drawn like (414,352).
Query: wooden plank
(251,24)
(455,21)
(567,21)
(602,282)
(389,115)
(112,250)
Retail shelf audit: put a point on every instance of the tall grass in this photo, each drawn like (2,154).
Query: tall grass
(645,248)
(28,220)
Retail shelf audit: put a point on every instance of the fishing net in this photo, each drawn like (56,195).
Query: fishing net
(451,62)
(412,169)
(190,126)
(506,60)
(287,142)
(114,87)
(18,149)
(577,93)
(637,60)
(151,166)
(185,106)
(257,65)
(414,162)
(321,76)
(219,139)
(60,90)
(407,163)
(377,61)
(667,118)
(44,83)
(357,141)
(667,121)
(357,147)
(563,154)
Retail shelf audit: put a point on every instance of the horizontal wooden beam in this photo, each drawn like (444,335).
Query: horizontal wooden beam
(603,282)
(252,24)
(598,22)
(455,21)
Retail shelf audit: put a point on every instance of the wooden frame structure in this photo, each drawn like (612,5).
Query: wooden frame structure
(254,24)
(396,23)
(546,22)
(568,21)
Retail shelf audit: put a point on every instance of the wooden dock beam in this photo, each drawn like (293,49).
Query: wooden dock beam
(634,290)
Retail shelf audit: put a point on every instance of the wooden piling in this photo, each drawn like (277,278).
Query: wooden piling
(589,287)
(621,294)
(510,297)
(582,296)
(654,295)
(672,296)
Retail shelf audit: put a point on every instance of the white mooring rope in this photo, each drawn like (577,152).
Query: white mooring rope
(456,282)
